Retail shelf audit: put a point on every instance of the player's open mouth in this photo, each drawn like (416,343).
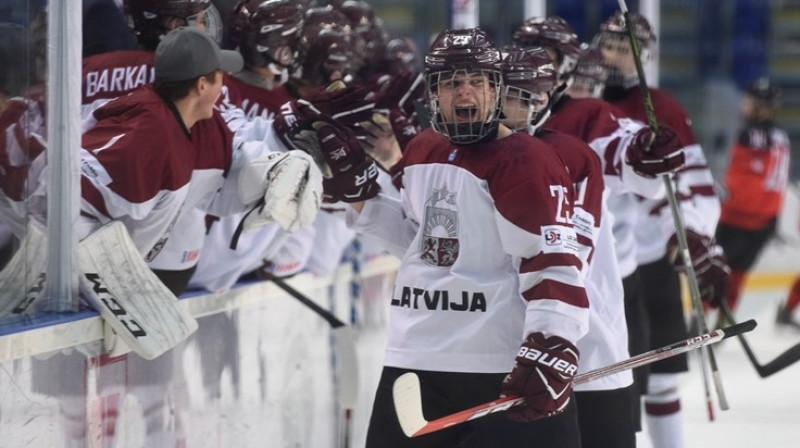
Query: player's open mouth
(466,113)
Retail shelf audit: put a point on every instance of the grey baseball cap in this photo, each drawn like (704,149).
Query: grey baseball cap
(188,52)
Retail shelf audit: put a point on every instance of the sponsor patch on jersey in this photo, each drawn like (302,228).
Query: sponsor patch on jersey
(189,256)
(583,222)
(559,239)
(91,168)
(439,244)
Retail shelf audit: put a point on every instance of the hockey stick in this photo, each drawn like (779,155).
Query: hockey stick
(784,360)
(680,231)
(346,359)
(407,394)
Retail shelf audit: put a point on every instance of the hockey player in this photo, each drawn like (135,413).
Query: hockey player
(656,244)
(110,75)
(755,184)
(483,270)
(266,34)
(628,167)
(529,82)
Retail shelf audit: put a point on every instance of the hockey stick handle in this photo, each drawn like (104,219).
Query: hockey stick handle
(408,401)
(784,360)
(322,312)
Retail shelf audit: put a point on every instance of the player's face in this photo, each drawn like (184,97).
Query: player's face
(519,106)
(583,87)
(210,91)
(464,97)
(617,54)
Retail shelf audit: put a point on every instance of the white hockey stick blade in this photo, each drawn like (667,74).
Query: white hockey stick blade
(347,366)
(129,297)
(23,277)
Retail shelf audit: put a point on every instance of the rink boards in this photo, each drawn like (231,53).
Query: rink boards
(258,372)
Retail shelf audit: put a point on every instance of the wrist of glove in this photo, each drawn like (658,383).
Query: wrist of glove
(651,155)
(543,374)
(709,263)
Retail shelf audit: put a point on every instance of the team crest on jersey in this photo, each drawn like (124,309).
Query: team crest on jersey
(440,232)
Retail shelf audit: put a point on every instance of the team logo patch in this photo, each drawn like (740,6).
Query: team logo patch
(552,237)
(440,244)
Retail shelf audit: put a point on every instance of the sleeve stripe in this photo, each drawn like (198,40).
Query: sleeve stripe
(547,261)
(553,290)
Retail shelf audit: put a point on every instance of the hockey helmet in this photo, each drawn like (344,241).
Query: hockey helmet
(457,56)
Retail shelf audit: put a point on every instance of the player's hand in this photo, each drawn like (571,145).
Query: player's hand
(543,375)
(710,265)
(400,92)
(354,175)
(348,104)
(652,155)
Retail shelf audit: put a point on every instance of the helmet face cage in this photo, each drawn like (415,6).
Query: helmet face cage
(613,38)
(152,19)
(459,119)
(328,54)
(267,33)
(590,75)
(551,32)
(528,78)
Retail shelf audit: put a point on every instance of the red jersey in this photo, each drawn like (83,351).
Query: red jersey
(757,176)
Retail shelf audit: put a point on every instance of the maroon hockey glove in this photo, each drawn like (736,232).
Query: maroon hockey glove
(710,265)
(403,126)
(349,105)
(354,176)
(651,157)
(543,375)
(401,91)
(295,116)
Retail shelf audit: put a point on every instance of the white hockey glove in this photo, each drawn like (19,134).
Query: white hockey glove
(285,188)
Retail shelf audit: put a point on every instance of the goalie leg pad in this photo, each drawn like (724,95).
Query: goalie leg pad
(129,297)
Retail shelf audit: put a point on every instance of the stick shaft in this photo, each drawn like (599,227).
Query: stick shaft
(510,401)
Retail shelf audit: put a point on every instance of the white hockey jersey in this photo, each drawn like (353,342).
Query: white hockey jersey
(489,254)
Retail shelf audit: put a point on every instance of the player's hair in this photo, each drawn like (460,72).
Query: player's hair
(178,90)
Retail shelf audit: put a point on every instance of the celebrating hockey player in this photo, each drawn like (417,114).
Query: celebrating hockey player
(489,270)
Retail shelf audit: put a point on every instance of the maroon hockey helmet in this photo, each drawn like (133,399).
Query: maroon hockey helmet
(616,28)
(154,18)
(460,53)
(402,55)
(590,74)
(550,32)
(266,31)
(529,78)
(327,58)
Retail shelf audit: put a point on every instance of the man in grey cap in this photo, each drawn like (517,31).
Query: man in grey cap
(189,66)
(162,152)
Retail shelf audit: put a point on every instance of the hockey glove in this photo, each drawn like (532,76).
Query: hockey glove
(347,105)
(354,175)
(404,127)
(378,140)
(281,187)
(543,375)
(651,156)
(400,92)
(710,265)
